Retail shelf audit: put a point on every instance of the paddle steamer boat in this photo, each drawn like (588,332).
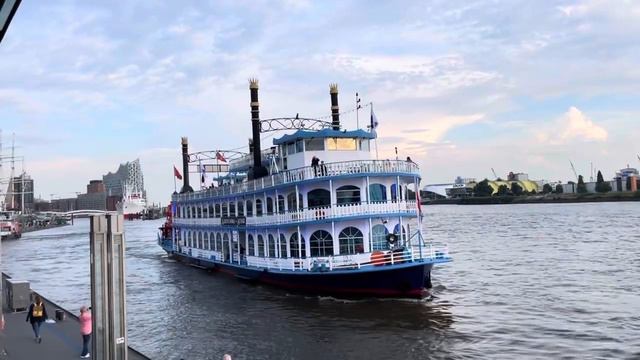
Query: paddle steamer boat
(315,213)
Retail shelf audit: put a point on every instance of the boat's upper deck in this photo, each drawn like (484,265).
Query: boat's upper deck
(358,168)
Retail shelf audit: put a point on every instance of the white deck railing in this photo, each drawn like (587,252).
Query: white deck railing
(306,173)
(430,251)
(317,213)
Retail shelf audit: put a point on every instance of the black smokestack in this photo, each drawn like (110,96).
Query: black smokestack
(185,167)
(335,110)
(258,170)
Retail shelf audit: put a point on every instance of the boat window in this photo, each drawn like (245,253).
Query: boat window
(298,249)
(348,194)
(258,207)
(377,193)
(396,230)
(364,144)
(351,241)
(269,206)
(272,246)
(200,246)
(211,212)
(291,202)
(217,210)
(321,244)
(260,246)
(218,242)
(252,245)
(318,197)
(299,146)
(341,144)
(240,206)
(232,209)
(283,246)
(291,148)
(314,144)
(394,192)
(225,209)
(379,237)
(249,208)
(281,208)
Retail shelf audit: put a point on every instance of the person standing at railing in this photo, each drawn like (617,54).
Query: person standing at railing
(323,168)
(314,164)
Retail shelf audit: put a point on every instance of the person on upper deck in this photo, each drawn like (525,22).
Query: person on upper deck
(314,164)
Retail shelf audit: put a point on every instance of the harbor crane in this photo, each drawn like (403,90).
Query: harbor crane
(574,170)
(494,173)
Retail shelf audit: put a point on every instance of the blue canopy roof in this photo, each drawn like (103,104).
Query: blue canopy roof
(324,133)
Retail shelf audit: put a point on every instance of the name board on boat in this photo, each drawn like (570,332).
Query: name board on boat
(233,221)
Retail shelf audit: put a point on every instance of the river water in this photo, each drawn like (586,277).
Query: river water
(527,281)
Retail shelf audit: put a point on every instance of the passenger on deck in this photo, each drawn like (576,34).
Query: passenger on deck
(314,164)
(323,168)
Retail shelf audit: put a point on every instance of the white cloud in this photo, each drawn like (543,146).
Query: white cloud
(574,125)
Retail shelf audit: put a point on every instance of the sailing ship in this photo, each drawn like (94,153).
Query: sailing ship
(347,225)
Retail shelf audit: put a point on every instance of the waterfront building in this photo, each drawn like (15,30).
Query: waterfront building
(64,205)
(128,174)
(626,179)
(22,189)
(95,198)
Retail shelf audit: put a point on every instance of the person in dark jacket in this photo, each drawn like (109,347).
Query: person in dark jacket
(37,314)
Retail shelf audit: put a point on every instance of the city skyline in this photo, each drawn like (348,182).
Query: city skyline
(460,87)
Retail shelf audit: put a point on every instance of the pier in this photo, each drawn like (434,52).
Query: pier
(61,340)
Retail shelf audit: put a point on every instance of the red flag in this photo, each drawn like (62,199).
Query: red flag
(176,173)
(220,157)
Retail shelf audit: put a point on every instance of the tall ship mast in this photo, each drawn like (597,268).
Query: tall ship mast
(315,213)
(10,189)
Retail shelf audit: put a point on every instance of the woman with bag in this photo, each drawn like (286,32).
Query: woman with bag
(37,314)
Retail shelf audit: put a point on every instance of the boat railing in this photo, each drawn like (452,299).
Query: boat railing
(306,173)
(316,213)
(430,252)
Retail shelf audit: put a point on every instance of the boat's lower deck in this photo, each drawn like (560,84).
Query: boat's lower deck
(407,279)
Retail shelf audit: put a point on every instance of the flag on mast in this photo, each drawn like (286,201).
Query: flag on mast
(219,157)
(176,173)
(374,120)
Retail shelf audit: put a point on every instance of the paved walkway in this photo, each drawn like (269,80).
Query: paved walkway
(61,340)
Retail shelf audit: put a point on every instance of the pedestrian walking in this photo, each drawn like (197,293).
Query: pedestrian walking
(37,314)
(85,330)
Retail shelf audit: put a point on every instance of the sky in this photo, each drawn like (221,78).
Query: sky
(460,86)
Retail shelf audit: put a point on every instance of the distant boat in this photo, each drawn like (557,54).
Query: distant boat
(133,204)
(10,227)
(339,227)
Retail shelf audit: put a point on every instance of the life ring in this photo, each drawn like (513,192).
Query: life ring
(377,258)
(392,239)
